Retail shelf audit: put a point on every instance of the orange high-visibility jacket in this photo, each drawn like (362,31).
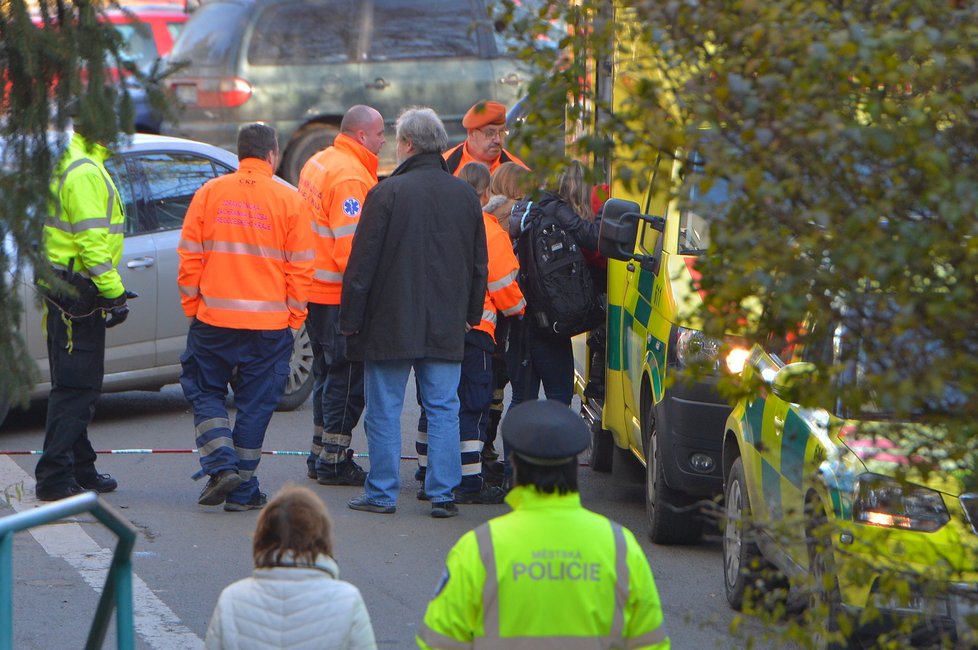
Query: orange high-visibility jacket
(335,182)
(458,157)
(246,252)
(503,294)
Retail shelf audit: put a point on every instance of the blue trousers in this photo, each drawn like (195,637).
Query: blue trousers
(385,382)
(337,390)
(475,388)
(261,358)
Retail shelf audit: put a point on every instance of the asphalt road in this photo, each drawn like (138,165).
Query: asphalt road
(186,553)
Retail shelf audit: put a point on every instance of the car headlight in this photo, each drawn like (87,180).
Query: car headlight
(695,347)
(883,501)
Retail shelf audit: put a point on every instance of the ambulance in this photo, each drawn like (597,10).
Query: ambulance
(650,410)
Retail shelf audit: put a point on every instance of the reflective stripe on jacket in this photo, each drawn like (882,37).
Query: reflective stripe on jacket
(246,252)
(335,182)
(550,574)
(86,222)
(503,293)
(459,156)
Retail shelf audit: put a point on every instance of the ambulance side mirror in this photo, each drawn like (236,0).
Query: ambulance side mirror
(619,229)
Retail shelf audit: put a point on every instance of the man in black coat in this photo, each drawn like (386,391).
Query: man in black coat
(415,283)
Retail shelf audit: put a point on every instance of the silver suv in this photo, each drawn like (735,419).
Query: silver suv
(298,65)
(156,177)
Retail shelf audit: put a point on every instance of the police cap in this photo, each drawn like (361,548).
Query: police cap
(483,114)
(545,432)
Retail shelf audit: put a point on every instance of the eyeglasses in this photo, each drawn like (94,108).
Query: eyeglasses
(493,134)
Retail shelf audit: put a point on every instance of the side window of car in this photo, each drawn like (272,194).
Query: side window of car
(423,29)
(171,180)
(305,33)
(122,178)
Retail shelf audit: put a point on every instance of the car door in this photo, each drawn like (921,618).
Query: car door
(762,430)
(132,345)
(169,181)
(427,52)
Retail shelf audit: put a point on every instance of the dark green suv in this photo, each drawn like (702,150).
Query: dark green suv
(299,64)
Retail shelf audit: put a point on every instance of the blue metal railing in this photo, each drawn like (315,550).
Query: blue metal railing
(118,582)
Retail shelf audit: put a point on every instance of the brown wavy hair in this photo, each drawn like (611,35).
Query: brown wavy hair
(510,180)
(573,189)
(295,522)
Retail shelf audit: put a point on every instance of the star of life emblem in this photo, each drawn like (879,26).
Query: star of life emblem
(351,207)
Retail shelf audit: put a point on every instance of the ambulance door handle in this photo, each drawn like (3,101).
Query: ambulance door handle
(378,84)
(630,267)
(778,425)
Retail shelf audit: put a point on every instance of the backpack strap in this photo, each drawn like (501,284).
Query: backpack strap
(524,223)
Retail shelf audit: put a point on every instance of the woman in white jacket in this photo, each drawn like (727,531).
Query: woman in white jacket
(295,598)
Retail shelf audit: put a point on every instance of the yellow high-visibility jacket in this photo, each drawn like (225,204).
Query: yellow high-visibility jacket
(86,222)
(550,574)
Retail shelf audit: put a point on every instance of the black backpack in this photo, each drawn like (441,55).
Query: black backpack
(554,276)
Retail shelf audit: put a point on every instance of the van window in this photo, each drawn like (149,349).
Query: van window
(701,207)
(422,29)
(305,33)
(203,44)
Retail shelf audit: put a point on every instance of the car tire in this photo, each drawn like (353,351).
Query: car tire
(673,516)
(825,611)
(298,385)
(602,449)
(4,407)
(307,141)
(743,566)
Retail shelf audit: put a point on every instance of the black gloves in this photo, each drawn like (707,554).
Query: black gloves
(116,310)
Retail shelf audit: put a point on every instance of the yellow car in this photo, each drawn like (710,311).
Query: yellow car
(840,507)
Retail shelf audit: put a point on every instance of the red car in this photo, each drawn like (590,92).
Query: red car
(148,31)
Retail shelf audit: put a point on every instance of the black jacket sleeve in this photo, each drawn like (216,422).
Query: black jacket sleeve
(365,255)
(585,233)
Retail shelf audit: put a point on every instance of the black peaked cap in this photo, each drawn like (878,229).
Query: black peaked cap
(545,432)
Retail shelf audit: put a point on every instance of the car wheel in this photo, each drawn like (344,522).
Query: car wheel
(4,407)
(307,141)
(831,629)
(673,517)
(602,449)
(742,562)
(299,382)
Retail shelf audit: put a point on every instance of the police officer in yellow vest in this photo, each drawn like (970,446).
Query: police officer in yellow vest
(550,574)
(83,242)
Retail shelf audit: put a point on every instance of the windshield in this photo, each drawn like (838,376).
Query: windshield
(138,45)
(212,35)
(908,354)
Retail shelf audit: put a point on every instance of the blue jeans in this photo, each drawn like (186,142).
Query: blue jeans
(385,382)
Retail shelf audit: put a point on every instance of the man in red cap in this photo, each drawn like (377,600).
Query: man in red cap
(486,126)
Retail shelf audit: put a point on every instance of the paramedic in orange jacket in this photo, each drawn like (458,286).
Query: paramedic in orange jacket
(335,182)
(503,296)
(486,126)
(246,259)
